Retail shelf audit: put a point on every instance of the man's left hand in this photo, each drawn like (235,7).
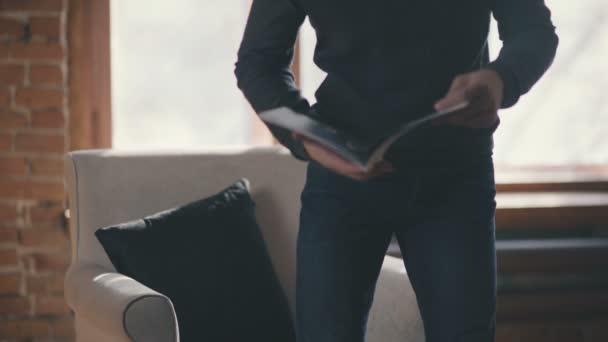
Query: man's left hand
(483,90)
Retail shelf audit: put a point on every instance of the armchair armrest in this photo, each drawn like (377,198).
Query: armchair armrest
(119,306)
(395,315)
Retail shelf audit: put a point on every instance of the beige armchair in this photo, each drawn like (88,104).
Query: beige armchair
(108,187)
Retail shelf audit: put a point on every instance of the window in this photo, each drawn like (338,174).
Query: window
(172,74)
(173,83)
(563,120)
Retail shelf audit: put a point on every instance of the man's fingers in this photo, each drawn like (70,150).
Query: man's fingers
(472,93)
(479,104)
(379,169)
(339,164)
(329,158)
(483,92)
(456,93)
(453,98)
(459,81)
(479,112)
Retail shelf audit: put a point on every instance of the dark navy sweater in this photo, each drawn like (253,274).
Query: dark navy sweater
(388,61)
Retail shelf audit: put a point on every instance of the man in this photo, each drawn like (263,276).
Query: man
(388,62)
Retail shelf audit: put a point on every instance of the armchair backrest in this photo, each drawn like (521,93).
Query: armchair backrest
(108,187)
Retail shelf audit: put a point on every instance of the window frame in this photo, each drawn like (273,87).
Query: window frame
(89,70)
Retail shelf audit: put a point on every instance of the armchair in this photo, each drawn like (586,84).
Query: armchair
(108,187)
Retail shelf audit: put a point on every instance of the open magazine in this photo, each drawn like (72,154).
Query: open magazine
(363,154)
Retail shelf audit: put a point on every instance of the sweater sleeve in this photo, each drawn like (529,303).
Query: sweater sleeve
(263,66)
(529,45)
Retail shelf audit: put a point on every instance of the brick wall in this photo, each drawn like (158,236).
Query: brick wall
(34,248)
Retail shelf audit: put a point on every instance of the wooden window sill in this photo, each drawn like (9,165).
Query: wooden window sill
(563,178)
(551,210)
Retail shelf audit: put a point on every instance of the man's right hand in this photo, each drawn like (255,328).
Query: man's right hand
(340,165)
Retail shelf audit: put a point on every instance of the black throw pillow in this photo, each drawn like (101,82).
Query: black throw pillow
(210,259)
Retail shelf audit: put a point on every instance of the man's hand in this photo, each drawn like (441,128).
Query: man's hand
(483,90)
(338,164)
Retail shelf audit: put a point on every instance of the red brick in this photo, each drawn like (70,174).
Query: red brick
(4,49)
(5,98)
(36,190)
(8,212)
(8,235)
(10,27)
(24,328)
(47,167)
(45,143)
(47,284)
(49,211)
(44,262)
(46,119)
(55,284)
(39,98)
(31,5)
(11,120)
(46,74)
(11,74)
(64,327)
(6,142)
(8,258)
(36,284)
(45,26)
(14,305)
(13,166)
(52,305)
(51,51)
(10,284)
(44,237)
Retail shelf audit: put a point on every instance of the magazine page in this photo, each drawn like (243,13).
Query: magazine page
(380,150)
(348,148)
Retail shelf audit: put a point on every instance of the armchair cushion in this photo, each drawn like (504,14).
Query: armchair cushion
(210,259)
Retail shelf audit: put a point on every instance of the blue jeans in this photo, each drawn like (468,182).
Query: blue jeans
(443,219)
